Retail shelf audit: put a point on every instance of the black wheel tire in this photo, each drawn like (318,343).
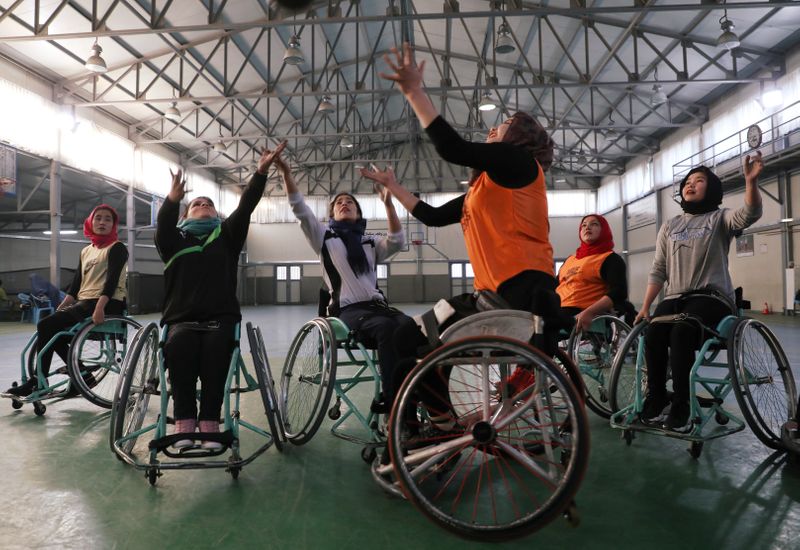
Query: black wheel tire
(368,454)
(721,419)
(152,476)
(16,405)
(39,408)
(571,515)
(696,449)
(235,472)
(334,413)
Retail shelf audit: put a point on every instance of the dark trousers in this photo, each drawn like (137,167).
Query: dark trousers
(62,320)
(199,350)
(676,343)
(535,291)
(394,334)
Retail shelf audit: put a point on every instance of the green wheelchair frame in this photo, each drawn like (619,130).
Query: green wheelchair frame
(738,337)
(592,351)
(340,363)
(144,376)
(113,338)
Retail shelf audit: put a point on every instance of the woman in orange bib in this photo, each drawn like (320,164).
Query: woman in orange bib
(593,280)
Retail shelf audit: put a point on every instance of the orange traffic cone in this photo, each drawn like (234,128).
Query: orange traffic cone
(766,310)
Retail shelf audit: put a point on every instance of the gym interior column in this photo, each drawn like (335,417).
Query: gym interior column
(55,223)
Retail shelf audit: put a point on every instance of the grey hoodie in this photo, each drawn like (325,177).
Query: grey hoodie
(692,250)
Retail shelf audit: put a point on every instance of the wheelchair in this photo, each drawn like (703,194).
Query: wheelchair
(515,456)
(141,406)
(593,351)
(96,354)
(326,360)
(741,356)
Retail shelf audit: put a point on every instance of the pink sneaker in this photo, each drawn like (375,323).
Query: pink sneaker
(184,426)
(210,426)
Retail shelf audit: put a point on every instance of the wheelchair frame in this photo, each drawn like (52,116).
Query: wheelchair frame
(344,364)
(31,365)
(725,337)
(596,372)
(194,458)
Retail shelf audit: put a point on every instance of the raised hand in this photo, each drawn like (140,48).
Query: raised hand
(268,157)
(178,190)
(407,74)
(752,166)
(383,178)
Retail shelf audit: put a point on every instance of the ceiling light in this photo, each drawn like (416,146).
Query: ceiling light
(96,63)
(325,106)
(346,142)
(220,147)
(582,158)
(172,113)
(62,232)
(658,97)
(504,44)
(293,55)
(487,103)
(772,98)
(464,182)
(561,180)
(728,38)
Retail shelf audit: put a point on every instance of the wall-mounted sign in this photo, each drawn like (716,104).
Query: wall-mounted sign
(642,212)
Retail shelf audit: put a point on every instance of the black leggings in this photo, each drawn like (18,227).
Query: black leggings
(681,339)
(199,350)
(379,325)
(62,320)
(535,291)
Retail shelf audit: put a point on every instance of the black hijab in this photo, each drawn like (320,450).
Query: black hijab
(712,198)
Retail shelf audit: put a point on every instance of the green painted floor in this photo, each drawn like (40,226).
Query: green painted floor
(62,487)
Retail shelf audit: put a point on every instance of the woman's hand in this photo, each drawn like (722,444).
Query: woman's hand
(407,74)
(281,164)
(66,302)
(384,178)
(99,314)
(583,320)
(268,157)
(644,314)
(178,190)
(752,166)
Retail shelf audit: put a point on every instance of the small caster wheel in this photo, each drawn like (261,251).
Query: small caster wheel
(152,475)
(696,449)
(603,395)
(16,405)
(334,413)
(368,454)
(571,515)
(628,436)
(721,418)
(234,472)
(565,457)
(39,408)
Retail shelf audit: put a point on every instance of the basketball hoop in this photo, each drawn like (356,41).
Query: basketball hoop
(416,242)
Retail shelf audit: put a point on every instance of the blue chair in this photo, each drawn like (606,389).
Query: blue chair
(39,305)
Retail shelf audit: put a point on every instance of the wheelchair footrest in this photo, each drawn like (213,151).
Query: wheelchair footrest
(163,444)
(707,402)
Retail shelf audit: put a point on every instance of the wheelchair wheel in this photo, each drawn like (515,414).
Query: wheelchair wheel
(593,353)
(622,385)
(266,385)
(515,455)
(762,380)
(138,381)
(96,355)
(307,380)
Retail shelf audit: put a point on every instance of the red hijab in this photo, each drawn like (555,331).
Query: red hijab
(604,243)
(101,241)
